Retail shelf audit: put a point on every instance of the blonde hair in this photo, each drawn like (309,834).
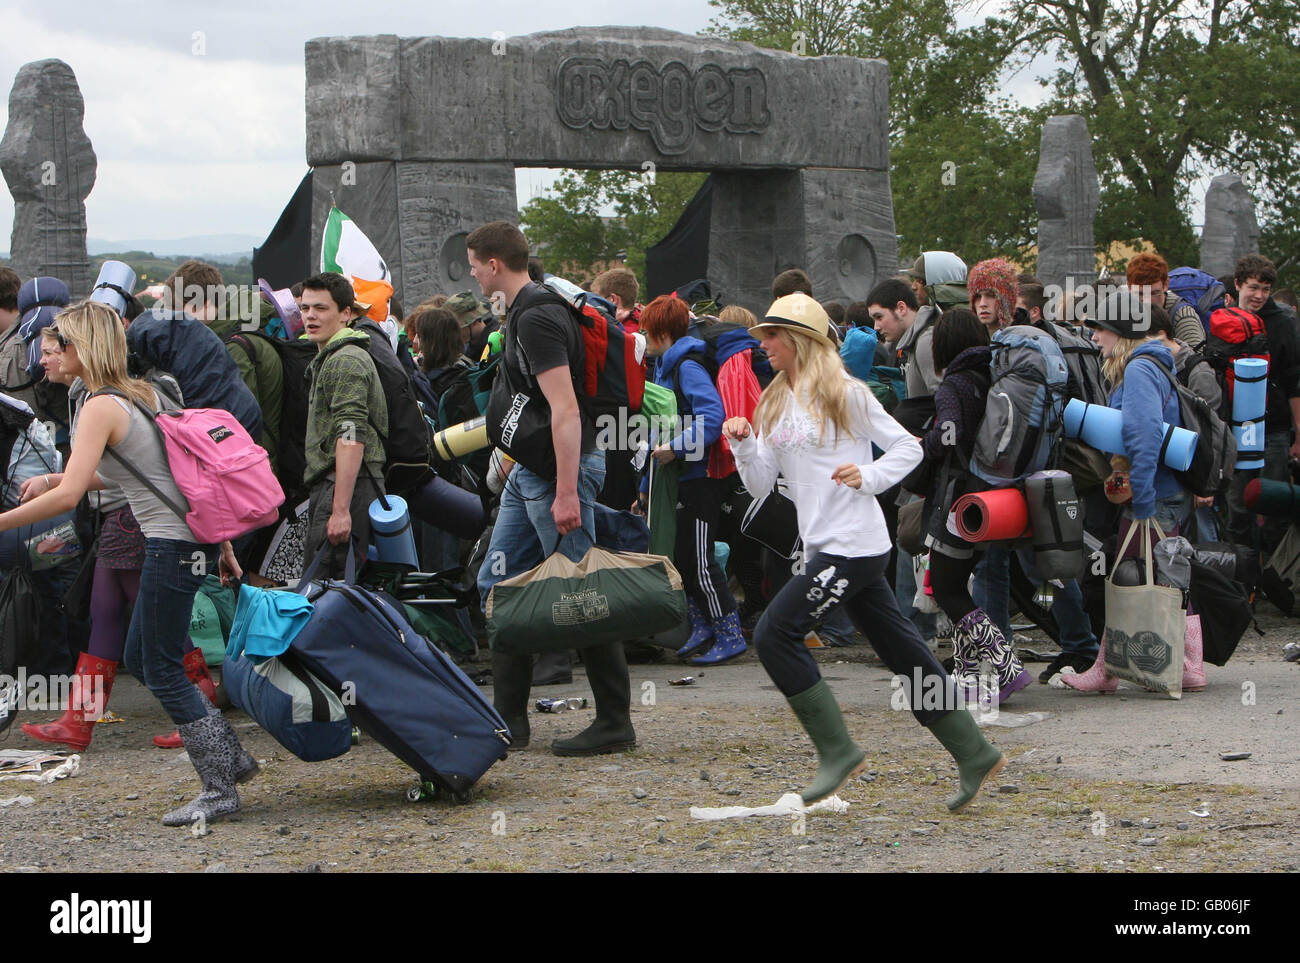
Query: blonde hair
(1112,368)
(735,314)
(821,386)
(100,339)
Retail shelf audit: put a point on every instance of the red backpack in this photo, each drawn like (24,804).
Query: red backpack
(1234,333)
(612,377)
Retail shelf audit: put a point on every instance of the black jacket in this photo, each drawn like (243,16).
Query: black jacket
(1283,365)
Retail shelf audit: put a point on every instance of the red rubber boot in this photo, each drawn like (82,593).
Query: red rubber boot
(92,684)
(196,670)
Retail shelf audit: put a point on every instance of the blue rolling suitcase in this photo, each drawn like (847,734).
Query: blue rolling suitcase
(397,687)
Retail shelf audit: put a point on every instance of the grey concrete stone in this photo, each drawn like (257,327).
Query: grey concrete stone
(616,96)
(49,165)
(429,129)
(1231,230)
(1067,195)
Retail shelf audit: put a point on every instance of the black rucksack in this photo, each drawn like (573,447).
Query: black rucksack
(408,452)
(1224,609)
(1216,448)
(1083,364)
(22,617)
(295,357)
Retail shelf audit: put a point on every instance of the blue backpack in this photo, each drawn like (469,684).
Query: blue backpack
(1202,291)
(1023,424)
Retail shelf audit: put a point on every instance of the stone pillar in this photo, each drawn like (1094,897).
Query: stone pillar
(49,165)
(417,214)
(1231,230)
(849,232)
(756,231)
(1067,195)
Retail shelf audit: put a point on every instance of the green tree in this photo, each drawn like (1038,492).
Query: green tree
(574,237)
(1173,90)
(962,159)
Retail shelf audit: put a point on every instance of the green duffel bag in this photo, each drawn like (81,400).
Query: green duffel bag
(606,597)
(211,619)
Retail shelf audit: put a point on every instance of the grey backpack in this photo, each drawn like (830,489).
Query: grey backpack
(1023,423)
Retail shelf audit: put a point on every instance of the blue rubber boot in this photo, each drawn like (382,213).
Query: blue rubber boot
(728,642)
(701,631)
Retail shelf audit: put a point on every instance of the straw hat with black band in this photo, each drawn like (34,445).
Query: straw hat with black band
(798,312)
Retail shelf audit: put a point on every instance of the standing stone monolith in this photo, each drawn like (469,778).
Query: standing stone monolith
(1067,196)
(1231,230)
(49,166)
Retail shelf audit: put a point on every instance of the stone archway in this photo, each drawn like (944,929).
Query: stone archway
(417,139)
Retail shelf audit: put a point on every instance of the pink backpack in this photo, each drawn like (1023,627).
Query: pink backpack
(224,475)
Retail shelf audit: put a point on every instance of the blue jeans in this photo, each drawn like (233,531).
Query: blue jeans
(992,593)
(160,624)
(525,533)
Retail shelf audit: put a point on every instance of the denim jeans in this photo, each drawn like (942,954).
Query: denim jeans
(992,593)
(525,534)
(160,624)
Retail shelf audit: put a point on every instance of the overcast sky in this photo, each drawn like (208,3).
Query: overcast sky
(212,142)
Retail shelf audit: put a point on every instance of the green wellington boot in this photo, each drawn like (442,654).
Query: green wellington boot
(838,757)
(977,760)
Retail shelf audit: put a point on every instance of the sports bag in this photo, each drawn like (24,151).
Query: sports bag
(1023,413)
(605,597)
(223,474)
(22,628)
(1233,333)
(295,357)
(1224,608)
(1202,291)
(408,451)
(298,710)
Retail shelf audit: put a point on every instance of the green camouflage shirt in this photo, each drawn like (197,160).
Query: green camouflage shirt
(345,400)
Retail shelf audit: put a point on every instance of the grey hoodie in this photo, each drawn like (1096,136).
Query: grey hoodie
(916,351)
(1201,380)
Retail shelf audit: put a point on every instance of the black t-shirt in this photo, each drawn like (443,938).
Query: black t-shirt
(541,334)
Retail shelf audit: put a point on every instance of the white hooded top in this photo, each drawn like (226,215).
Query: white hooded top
(833,518)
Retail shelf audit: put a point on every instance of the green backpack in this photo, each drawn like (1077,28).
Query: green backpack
(211,618)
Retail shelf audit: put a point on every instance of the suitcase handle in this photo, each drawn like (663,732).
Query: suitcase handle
(349,567)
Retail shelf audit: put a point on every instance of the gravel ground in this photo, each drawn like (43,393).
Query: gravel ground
(1105,784)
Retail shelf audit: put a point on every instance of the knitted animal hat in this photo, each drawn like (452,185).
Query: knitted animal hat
(1000,277)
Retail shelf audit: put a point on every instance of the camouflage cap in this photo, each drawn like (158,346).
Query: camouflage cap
(468,308)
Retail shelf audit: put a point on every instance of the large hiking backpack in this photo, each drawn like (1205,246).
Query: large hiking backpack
(408,452)
(1234,333)
(613,379)
(1023,415)
(740,393)
(1216,449)
(295,357)
(1083,363)
(1202,291)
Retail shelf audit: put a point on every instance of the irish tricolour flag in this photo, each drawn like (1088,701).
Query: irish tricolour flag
(347,251)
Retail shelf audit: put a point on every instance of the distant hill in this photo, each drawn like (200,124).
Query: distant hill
(224,247)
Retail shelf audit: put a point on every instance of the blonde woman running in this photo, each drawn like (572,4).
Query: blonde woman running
(815,425)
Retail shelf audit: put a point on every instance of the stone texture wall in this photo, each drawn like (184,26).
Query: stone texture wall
(430,129)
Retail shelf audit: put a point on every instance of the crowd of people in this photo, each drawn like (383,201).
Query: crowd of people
(865,416)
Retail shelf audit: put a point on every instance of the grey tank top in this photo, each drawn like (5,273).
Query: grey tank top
(143,448)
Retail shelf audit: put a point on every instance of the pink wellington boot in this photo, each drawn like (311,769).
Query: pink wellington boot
(1096,679)
(1193,656)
